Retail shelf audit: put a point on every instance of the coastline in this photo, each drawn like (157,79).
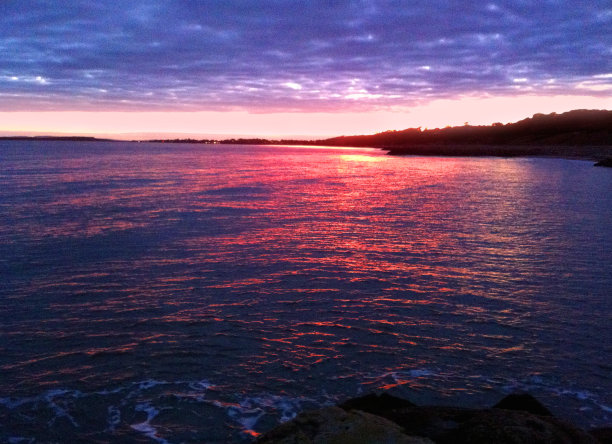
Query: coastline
(601,154)
(588,153)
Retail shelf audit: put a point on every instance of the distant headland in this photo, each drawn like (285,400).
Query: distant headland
(573,128)
(578,134)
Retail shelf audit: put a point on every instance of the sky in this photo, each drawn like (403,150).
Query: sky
(287,68)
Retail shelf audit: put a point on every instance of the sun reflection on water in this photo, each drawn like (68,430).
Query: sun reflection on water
(294,269)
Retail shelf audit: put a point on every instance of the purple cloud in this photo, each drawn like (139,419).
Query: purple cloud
(283,55)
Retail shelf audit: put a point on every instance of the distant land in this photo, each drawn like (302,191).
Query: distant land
(585,134)
(582,134)
(65,138)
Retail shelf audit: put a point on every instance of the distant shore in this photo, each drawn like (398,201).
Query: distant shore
(591,153)
(600,154)
(58,138)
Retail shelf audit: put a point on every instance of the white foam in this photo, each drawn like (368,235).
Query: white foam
(110,392)
(61,412)
(248,411)
(419,373)
(605,408)
(287,406)
(247,418)
(11,403)
(200,385)
(149,383)
(114,418)
(145,427)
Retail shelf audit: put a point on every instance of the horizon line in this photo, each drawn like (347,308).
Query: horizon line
(146,125)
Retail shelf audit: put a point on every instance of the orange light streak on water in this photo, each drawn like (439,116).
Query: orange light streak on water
(283,265)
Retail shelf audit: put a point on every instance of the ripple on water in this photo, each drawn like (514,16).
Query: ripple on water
(147,293)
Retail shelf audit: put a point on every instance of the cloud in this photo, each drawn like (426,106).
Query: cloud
(293,85)
(279,55)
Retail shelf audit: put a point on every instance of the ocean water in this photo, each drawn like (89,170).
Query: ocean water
(201,293)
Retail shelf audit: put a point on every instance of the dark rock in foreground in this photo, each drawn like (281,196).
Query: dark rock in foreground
(523,402)
(335,425)
(603,434)
(376,404)
(516,419)
(607,162)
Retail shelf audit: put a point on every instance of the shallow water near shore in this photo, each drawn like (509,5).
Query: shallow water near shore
(204,293)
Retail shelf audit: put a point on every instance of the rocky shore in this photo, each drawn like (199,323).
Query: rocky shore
(591,153)
(516,419)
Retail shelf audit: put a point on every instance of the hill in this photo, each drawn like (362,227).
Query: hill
(578,128)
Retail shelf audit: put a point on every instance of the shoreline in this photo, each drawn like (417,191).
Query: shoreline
(589,153)
(602,154)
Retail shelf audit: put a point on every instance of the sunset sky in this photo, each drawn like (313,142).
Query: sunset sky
(289,68)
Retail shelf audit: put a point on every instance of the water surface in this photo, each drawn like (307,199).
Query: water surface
(198,293)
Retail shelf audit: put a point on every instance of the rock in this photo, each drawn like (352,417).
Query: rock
(602,434)
(433,422)
(514,427)
(516,419)
(376,404)
(607,162)
(333,425)
(523,402)
(508,425)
